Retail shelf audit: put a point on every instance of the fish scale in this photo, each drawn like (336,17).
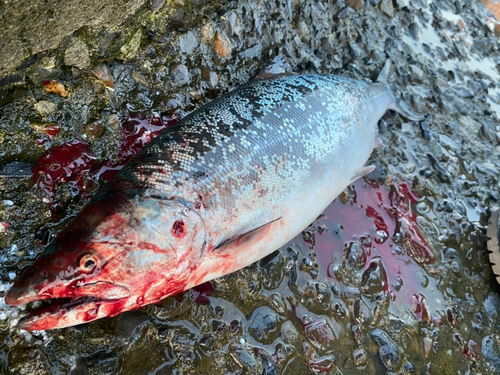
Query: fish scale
(223,188)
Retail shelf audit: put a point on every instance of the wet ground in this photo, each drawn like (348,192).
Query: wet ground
(393,278)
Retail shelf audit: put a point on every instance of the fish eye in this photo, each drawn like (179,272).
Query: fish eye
(178,229)
(88,263)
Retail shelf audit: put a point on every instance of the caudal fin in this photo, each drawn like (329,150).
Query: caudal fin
(388,76)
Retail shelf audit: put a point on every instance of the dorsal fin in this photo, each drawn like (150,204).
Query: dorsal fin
(275,68)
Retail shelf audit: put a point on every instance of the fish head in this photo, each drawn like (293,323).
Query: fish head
(121,252)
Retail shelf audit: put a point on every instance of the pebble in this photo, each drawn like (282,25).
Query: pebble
(178,19)
(207,34)
(360,357)
(322,365)
(289,333)
(490,350)
(374,278)
(264,321)
(235,23)
(156,4)
(139,78)
(389,352)
(56,88)
(102,72)
(95,129)
(77,54)
(188,42)
(222,45)
(387,7)
(355,4)
(180,75)
(321,334)
(44,107)
(129,49)
(303,30)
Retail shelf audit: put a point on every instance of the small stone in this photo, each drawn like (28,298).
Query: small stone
(207,34)
(328,43)
(139,78)
(360,357)
(427,346)
(102,72)
(156,4)
(44,107)
(417,74)
(129,49)
(303,30)
(46,70)
(95,129)
(321,334)
(234,22)
(223,45)
(322,365)
(210,77)
(188,42)
(114,122)
(180,75)
(289,332)
(355,4)
(77,54)
(387,7)
(374,279)
(55,88)
(178,19)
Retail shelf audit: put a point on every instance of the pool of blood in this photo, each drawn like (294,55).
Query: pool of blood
(381,218)
(73,163)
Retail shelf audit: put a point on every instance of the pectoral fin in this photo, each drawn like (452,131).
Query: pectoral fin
(251,235)
(363,172)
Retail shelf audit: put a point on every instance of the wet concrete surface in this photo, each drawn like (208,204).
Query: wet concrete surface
(393,278)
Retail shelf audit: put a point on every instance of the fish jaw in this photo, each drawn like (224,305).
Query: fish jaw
(66,312)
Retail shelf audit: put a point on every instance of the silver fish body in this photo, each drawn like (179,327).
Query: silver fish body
(224,187)
(271,152)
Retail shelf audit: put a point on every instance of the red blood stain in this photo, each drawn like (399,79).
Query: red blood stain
(136,132)
(202,292)
(67,163)
(178,229)
(51,130)
(402,247)
(74,164)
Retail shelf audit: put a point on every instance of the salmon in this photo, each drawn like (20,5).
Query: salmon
(224,187)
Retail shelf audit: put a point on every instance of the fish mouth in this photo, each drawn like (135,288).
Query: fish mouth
(87,303)
(66,312)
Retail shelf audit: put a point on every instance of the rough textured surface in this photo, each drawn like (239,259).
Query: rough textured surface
(349,296)
(28,28)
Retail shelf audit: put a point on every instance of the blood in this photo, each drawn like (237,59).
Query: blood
(178,229)
(202,292)
(136,132)
(74,164)
(404,251)
(67,163)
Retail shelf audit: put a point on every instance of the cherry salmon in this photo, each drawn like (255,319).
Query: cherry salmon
(224,187)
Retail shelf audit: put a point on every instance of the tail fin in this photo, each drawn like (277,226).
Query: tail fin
(388,75)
